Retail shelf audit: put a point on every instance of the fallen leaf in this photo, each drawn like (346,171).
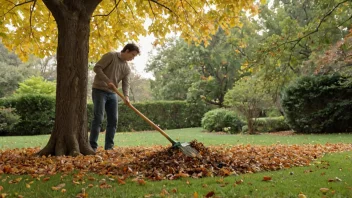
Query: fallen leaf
(141,182)
(121,182)
(58,187)
(46,179)
(195,195)
(324,190)
(210,194)
(164,192)
(266,178)
(239,181)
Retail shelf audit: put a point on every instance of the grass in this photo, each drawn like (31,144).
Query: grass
(186,135)
(284,183)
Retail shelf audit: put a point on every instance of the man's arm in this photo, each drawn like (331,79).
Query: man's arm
(100,65)
(126,86)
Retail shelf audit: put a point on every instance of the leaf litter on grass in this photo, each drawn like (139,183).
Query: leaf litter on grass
(164,163)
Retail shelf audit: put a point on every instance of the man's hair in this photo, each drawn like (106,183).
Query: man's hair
(131,47)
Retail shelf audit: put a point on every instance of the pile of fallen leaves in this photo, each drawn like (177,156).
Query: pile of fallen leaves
(160,162)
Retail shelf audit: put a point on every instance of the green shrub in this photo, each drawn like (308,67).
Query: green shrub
(221,120)
(165,114)
(8,119)
(37,113)
(36,85)
(269,124)
(319,104)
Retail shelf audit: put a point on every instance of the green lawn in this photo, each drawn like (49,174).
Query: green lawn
(185,135)
(333,171)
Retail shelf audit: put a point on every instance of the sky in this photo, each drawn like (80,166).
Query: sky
(140,61)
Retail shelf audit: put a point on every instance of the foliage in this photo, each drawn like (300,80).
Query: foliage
(36,85)
(338,58)
(12,71)
(173,70)
(221,120)
(139,86)
(201,72)
(269,124)
(196,21)
(249,98)
(8,120)
(318,104)
(166,114)
(8,58)
(291,32)
(37,113)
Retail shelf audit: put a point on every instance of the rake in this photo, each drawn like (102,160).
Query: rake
(185,147)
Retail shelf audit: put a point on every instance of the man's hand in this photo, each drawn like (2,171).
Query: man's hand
(127,101)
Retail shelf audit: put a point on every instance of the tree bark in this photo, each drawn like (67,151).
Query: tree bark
(70,135)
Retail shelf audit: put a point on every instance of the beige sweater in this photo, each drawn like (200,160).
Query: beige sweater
(111,68)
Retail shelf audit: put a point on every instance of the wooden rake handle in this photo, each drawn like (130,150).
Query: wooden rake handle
(144,117)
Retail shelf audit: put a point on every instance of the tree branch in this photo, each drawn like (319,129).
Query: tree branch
(17,5)
(110,10)
(296,41)
(150,5)
(191,6)
(130,10)
(30,17)
(162,5)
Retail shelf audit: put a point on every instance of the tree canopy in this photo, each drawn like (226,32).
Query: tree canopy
(114,23)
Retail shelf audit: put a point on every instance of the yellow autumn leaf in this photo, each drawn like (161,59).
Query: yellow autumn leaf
(195,195)
(301,195)
(324,190)
(58,187)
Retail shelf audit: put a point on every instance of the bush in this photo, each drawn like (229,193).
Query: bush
(269,124)
(319,104)
(165,114)
(8,119)
(37,113)
(221,120)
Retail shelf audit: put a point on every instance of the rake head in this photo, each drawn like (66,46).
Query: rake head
(188,150)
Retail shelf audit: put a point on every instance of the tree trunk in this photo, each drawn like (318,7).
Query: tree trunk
(70,136)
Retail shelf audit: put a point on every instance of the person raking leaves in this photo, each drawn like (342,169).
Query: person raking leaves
(111,69)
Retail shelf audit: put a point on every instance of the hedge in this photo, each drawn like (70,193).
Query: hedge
(37,114)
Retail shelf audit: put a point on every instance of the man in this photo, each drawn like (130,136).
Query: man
(110,70)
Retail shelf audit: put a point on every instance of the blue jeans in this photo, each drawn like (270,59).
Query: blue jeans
(108,101)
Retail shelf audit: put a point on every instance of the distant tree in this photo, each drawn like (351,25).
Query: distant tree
(13,71)
(36,85)
(248,97)
(139,87)
(7,57)
(173,70)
